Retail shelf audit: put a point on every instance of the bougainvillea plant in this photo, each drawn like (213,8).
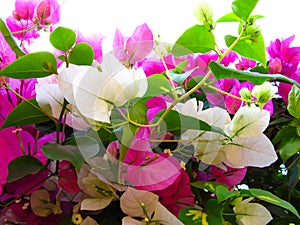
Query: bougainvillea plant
(149,133)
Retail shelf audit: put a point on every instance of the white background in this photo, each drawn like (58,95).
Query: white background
(167,18)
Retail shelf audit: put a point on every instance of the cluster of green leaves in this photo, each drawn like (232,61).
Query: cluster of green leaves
(219,209)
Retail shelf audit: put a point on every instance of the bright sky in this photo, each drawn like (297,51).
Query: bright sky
(165,17)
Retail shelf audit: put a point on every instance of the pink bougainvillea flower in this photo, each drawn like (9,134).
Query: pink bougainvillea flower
(178,195)
(48,12)
(24,9)
(130,50)
(67,177)
(17,142)
(231,176)
(144,169)
(29,17)
(16,26)
(245,64)
(155,105)
(7,56)
(152,66)
(284,60)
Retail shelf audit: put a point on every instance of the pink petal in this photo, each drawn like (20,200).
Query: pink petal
(140,44)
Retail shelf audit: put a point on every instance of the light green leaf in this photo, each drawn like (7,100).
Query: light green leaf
(23,166)
(157,85)
(194,40)
(243,8)
(230,17)
(270,198)
(33,65)
(294,102)
(180,78)
(26,113)
(221,72)
(82,54)
(63,38)
(223,193)
(252,49)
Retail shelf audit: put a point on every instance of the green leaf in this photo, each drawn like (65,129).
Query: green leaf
(177,123)
(221,72)
(138,113)
(191,216)
(10,40)
(230,17)
(23,166)
(294,102)
(86,148)
(223,193)
(243,8)
(63,38)
(270,198)
(214,212)
(193,40)
(180,78)
(26,113)
(293,175)
(82,54)
(157,85)
(33,65)
(208,185)
(289,142)
(252,49)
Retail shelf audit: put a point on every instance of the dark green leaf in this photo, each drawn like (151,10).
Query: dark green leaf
(86,148)
(230,17)
(157,85)
(252,49)
(33,65)
(293,175)
(82,54)
(260,69)
(221,72)
(26,113)
(214,212)
(294,102)
(180,67)
(23,166)
(243,8)
(191,216)
(193,40)
(10,40)
(223,193)
(270,198)
(177,123)
(208,185)
(63,38)
(289,142)
(138,114)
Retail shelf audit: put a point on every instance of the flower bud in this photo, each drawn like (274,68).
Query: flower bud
(263,93)
(203,13)
(245,94)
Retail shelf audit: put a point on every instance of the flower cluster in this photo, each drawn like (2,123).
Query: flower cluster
(147,133)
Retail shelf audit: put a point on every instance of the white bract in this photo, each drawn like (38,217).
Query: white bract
(246,145)
(251,213)
(95,92)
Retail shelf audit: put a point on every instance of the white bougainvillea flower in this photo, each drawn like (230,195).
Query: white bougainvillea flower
(257,151)
(144,204)
(248,122)
(51,99)
(248,145)
(251,213)
(95,91)
(264,92)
